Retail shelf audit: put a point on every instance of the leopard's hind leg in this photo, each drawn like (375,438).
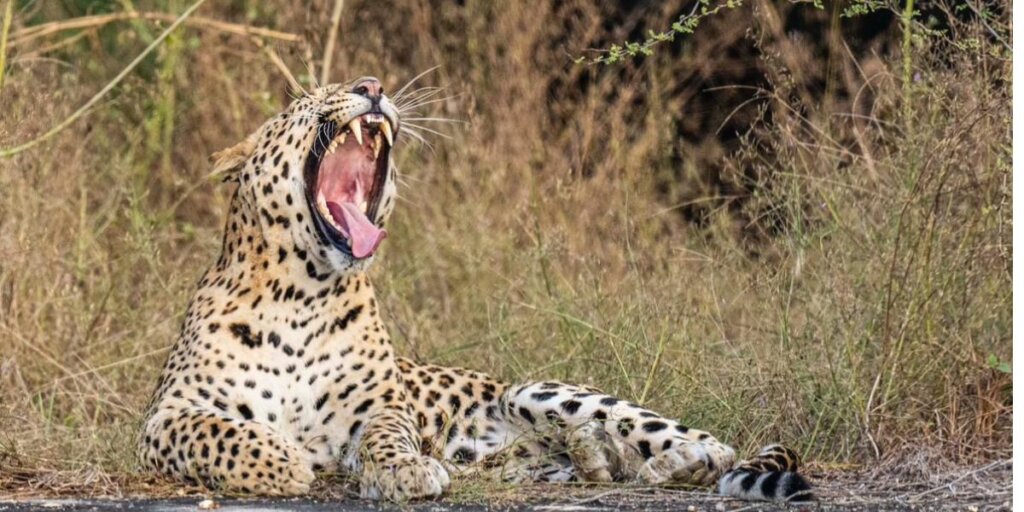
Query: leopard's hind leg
(608,438)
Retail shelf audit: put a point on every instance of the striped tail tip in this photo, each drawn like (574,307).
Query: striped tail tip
(749,484)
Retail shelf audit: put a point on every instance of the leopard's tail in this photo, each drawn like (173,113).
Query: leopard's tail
(770,476)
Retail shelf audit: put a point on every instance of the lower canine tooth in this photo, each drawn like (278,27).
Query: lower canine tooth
(321,204)
(376,146)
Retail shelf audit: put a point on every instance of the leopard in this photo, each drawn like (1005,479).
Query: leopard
(284,368)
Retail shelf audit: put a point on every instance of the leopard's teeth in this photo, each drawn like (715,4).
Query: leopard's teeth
(376,146)
(332,147)
(357,130)
(386,128)
(340,139)
(362,206)
(321,204)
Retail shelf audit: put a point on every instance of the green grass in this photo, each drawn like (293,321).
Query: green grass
(860,325)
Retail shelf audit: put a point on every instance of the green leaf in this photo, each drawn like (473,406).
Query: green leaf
(1000,366)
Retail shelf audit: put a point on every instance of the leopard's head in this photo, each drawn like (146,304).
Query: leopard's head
(319,177)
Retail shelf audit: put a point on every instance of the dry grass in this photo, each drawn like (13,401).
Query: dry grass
(543,239)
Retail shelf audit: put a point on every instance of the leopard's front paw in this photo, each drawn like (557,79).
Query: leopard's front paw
(698,463)
(404,478)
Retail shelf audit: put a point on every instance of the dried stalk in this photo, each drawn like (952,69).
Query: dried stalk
(9,152)
(332,37)
(34,32)
(4,31)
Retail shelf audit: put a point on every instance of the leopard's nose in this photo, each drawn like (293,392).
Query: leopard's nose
(369,87)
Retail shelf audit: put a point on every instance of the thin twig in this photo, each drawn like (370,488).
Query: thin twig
(4,31)
(36,31)
(332,37)
(984,22)
(7,153)
(276,60)
(962,477)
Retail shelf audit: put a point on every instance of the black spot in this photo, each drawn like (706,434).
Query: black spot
(625,427)
(242,332)
(464,455)
(645,449)
(544,396)
(341,323)
(321,401)
(274,339)
(363,407)
(571,406)
(245,411)
(609,401)
(525,413)
(347,391)
(655,426)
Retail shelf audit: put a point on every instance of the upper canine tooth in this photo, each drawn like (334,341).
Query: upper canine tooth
(357,130)
(386,128)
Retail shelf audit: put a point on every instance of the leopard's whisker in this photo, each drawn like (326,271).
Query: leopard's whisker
(419,138)
(436,120)
(413,98)
(411,109)
(418,93)
(424,128)
(414,79)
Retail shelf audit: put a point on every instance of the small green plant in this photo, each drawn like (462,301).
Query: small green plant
(998,364)
(685,25)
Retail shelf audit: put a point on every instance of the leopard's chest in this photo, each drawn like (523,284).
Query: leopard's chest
(315,376)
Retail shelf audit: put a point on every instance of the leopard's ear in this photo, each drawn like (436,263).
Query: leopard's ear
(229,161)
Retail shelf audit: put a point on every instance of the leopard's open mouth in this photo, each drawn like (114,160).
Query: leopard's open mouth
(345,174)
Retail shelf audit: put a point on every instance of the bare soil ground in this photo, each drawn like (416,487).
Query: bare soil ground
(980,488)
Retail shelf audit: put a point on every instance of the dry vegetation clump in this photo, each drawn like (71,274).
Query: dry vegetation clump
(826,262)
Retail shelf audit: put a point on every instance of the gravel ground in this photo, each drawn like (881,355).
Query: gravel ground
(980,488)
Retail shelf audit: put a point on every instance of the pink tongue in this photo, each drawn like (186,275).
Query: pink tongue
(362,235)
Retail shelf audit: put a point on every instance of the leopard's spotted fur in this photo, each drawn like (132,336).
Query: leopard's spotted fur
(284,366)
